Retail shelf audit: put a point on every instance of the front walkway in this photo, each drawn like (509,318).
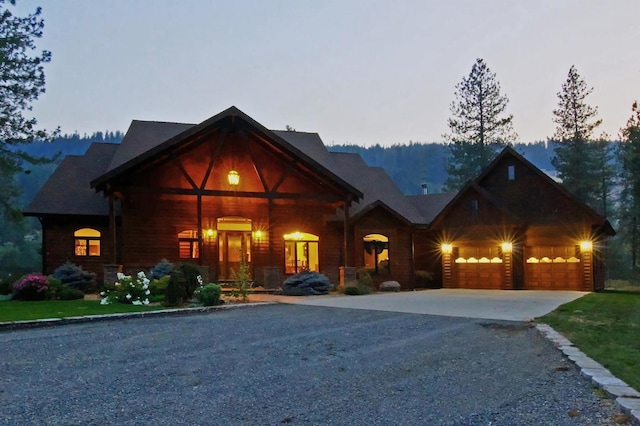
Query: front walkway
(511,305)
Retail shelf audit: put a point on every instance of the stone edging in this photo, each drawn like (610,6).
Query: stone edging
(627,398)
(17,325)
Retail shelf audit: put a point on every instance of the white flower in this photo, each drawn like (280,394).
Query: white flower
(136,302)
(146,281)
(104,301)
(120,276)
(145,301)
(141,274)
(144,287)
(128,296)
(199,280)
(147,292)
(102,293)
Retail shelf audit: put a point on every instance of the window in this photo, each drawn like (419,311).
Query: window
(188,244)
(376,253)
(511,172)
(87,242)
(474,205)
(301,252)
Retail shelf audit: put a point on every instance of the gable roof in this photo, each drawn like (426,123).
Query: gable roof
(508,151)
(67,192)
(429,205)
(144,146)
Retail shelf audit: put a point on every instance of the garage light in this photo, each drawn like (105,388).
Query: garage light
(447,248)
(586,245)
(507,247)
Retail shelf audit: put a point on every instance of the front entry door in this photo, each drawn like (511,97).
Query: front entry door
(233,248)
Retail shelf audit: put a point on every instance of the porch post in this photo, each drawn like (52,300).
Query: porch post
(112,228)
(200,236)
(346,234)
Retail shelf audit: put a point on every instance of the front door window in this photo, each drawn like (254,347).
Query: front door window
(234,246)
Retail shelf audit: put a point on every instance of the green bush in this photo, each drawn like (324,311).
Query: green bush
(365,280)
(352,291)
(174,293)
(209,295)
(68,293)
(306,283)
(192,279)
(76,277)
(158,286)
(241,282)
(6,284)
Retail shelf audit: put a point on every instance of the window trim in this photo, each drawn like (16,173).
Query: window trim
(193,241)
(84,237)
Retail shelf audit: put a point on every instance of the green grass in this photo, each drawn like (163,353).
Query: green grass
(15,310)
(606,327)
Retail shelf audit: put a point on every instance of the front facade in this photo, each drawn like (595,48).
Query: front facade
(229,191)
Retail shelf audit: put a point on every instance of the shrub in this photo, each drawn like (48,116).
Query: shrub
(161,270)
(68,293)
(192,279)
(31,287)
(209,295)
(352,291)
(76,277)
(158,286)
(174,293)
(128,289)
(241,282)
(6,284)
(365,280)
(424,279)
(306,283)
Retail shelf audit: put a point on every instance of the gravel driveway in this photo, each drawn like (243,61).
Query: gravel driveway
(289,364)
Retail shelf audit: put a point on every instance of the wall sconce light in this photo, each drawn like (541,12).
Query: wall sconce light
(259,235)
(234,178)
(586,246)
(447,249)
(507,247)
(209,235)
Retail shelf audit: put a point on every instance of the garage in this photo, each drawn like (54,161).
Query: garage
(553,268)
(477,267)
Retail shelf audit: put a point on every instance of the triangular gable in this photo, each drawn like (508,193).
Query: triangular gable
(231,115)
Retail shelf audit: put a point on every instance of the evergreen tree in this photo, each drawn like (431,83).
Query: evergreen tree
(629,158)
(21,82)
(479,125)
(576,158)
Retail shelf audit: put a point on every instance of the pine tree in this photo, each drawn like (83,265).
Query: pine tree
(576,157)
(479,125)
(21,82)
(629,158)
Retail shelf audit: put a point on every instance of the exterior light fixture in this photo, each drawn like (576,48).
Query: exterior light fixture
(447,248)
(234,178)
(210,235)
(507,247)
(586,245)
(258,235)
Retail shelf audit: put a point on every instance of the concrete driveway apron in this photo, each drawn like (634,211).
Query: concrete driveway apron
(510,305)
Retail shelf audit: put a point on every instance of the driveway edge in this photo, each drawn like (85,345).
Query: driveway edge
(626,397)
(52,322)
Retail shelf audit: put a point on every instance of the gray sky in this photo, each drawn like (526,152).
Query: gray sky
(361,72)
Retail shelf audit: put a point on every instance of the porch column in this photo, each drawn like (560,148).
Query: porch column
(200,236)
(112,228)
(587,269)
(446,269)
(346,234)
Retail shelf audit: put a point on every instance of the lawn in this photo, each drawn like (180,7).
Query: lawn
(606,327)
(15,310)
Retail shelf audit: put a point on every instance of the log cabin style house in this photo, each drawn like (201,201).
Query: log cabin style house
(229,190)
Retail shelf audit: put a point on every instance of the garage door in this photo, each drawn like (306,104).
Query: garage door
(552,268)
(477,267)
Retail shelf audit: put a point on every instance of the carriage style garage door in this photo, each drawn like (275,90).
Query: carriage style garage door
(552,268)
(477,267)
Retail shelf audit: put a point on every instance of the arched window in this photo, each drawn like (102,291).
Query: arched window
(188,244)
(376,253)
(87,242)
(301,252)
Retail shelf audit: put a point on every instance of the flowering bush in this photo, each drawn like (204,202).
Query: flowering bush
(127,289)
(31,287)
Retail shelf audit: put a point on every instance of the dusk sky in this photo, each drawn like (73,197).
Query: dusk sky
(361,72)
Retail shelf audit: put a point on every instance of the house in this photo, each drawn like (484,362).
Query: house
(229,190)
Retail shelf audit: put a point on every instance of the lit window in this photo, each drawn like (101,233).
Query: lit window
(301,252)
(188,244)
(376,253)
(511,171)
(87,242)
